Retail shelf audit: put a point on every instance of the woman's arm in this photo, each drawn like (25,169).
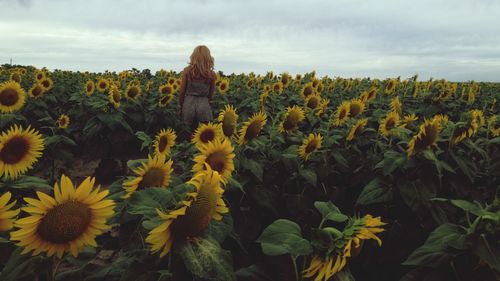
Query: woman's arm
(182,91)
(212,87)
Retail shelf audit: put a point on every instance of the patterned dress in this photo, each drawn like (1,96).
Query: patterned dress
(195,101)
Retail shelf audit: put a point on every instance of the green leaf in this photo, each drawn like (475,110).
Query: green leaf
(206,259)
(145,202)
(487,252)
(309,176)
(146,140)
(442,245)
(255,272)
(329,211)
(392,161)
(375,192)
(254,167)
(20,267)
(136,163)
(26,182)
(284,237)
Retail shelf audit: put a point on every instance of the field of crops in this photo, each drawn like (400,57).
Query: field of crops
(297,178)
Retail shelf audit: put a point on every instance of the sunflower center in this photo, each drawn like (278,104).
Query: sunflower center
(198,215)
(39,76)
(228,126)
(14,150)
(9,97)
(46,83)
(154,177)
(162,144)
(390,124)
(36,91)
(207,136)
(217,161)
(311,146)
(312,103)
(102,85)
(89,87)
(342,114)
(307,91)
(223,86)
(65,223)
(133,92)
(289,124)
(252,130)
(355,109)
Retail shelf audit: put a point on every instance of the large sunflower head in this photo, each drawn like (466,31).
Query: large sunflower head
(66,222)
(6,214)
(312,101)
(396,105)
(114,96)
(228,119)
(36,91)
(388,123)
(293,116)
(40,75)
(12,97)
(356,107)
(206,133)
(309,145)
(19,150)
(342,114)
(102,85)
(63,121)
(307,90)
(47,84)
(278,87)
(89,87)
(153,173)
(252,127)
(193,215)
(426,137)
(164,141)
(223,86)
(218,154)
(356,129)
(133,91)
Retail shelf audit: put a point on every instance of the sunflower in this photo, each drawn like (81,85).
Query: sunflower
(426,137)
(206,133)
(266,88)
(171,80)
(12,97)
(278,87)
(309,145)
(223,86)
(102,85)
(16,77)
(228,119)
(40,76)
(326,266)
(478,116)
(315,83)
(19,150)
(323,106)
(388,123)
(312,101)
(165,100)
(372,94)
(408,120)
(363,96)
(285,79)
(166,89)
(47,84)
(218,154)
(114,96)
(67,222)
(494,125)
(293,116)
(63,121)
(89,87)
(6,214)
(396,105)
(307,90)
(133,91)
(390,87)
(193,216)
(250,83)
(252,127)
(164,141)
(155,173)
(342,114)
(356,129)
(356,107)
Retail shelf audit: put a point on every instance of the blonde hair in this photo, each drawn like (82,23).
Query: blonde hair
(201,62)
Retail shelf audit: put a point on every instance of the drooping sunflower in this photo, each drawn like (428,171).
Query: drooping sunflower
(494,125)
(293,116)
(372,94)
(252,127)
(66,222)
(166,89)
(390,87)
(396,105)
(12,97)
(218,154)
(389,122)
(154,173)
(408,120)
(277,87)
(114,96)
(342,114)
(89,87)
(228,118)
(325,266)
(133,91)
(193,216)
(426,137)
(206,133)
(63,121)
(356,107)
(307,90)
(19,150)
(309,145)
(164,141)
(102,85)
(312,101)
(6,214)
(356,129)
(47,84)
(165,100)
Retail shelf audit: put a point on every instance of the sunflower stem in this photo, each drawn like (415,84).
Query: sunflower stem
(55,266)
(294,262)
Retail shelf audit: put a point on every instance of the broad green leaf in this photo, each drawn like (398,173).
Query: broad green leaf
(309,176)
(284,237)
(375,192)
(329,211)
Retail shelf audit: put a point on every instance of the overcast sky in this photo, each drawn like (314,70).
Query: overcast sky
(452,39)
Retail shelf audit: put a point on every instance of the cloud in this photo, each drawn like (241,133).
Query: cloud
(457,40)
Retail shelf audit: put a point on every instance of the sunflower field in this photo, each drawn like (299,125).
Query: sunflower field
(296,178)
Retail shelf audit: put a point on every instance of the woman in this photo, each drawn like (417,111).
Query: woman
(197,88)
